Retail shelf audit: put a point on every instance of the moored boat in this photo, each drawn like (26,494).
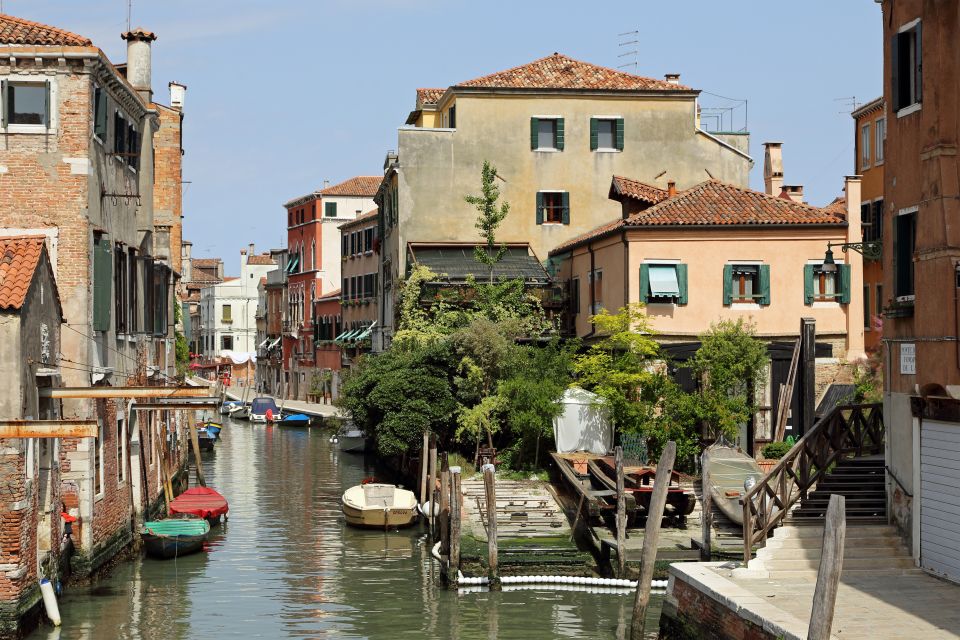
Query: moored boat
(379,506)
(725,470)
(230,406)
(351,439)
(638,482)
(295,420)
(205,439)
(174,537)
(211,427)
(263,409)
(202,502)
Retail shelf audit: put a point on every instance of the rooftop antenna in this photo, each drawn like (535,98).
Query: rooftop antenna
(129,10)
(850,102)
(634,52)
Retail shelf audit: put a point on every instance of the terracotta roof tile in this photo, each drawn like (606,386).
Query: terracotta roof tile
(714,203)
(330,295)
(429,96)
(365,186)
(838,207)
(558,71)
(19,257)
(637,190)
(139,34)
(261,259)
(361,218)
(19,31)
(206,262)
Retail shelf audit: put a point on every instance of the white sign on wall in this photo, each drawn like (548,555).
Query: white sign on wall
(908,358)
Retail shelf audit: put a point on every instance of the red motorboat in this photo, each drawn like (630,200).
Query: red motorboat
(202,502)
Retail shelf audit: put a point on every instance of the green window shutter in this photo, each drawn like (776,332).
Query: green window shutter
(918,68)
(539,207)
(565,202)
(330,209)
(47,118)
(560,134)
(4,103)
(843,272)
(594,138)
(619,127)
(682,281)
(808,284)
(895,70)
(534,133)
(764,284)
(644,283)
(102,282)
(727,284)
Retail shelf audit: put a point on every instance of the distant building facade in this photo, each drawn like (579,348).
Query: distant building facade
(870,130)
(360,283)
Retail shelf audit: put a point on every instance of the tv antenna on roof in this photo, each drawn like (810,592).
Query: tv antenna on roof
(624,42)
(850,102)
(129,10)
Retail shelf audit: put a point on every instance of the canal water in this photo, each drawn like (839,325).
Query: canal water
(285,565)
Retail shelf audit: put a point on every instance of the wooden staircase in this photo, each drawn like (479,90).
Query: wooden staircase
(860,480)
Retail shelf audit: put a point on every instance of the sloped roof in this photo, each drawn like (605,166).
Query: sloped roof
(330,295)
(206,262)
(455,261)
(838,207)
(369,215)
(19,257)
(428,96)
(261,259)
(365,186)
(19,31)
(636,190)
(558,71)
(714,203)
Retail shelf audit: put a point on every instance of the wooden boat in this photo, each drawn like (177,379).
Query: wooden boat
(205,439)
(724,472)
(638,482)
(295,420)
(202,502)
(379,506)
(588,490)
(211,427)
(174,537)
(263,409)
(351,439)
(242,412)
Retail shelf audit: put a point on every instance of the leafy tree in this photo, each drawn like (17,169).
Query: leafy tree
(731,364)
(491,214)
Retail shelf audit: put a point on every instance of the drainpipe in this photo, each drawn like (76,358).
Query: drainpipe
(593,327)
(626,268)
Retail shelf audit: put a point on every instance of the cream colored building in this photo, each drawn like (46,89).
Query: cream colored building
(556,129)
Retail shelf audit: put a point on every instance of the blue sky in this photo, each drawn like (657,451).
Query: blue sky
(284,94)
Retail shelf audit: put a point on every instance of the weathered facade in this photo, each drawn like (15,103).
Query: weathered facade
(556,130)
(77,166)
(30,494)
(921,277)
(359,291)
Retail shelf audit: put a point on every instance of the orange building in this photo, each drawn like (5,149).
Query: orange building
(870,133)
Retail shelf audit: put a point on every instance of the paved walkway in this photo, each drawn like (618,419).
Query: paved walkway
(296,406)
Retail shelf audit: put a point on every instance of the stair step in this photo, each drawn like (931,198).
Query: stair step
(811,574)
(849,564)
(808,530)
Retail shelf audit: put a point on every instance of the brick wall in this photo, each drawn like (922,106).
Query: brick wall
(693,615)
(167,193)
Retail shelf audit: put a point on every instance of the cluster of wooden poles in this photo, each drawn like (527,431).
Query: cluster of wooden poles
(445,523)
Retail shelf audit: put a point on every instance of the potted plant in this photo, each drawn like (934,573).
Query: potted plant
(772,453)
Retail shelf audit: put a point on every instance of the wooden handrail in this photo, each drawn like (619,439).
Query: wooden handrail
(849,430)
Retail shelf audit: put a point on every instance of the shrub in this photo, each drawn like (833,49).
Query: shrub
(776,450)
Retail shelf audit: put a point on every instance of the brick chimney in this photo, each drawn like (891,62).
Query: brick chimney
(139,60)
(177,94)
(671,189)
(772,168)
(250,252)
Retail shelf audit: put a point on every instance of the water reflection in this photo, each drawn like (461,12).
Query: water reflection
(286,565)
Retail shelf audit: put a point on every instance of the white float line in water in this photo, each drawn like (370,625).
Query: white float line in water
(621,591)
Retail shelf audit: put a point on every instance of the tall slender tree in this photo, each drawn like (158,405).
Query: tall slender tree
(490,215)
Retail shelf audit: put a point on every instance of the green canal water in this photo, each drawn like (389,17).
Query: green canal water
(285,565)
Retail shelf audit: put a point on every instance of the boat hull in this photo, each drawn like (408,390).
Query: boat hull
(379,506)
(371,518)
(353,441)
(725,471)
(168,547)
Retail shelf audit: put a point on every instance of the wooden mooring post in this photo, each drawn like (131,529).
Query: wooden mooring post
(453,566)
(706,518)
(621,515)
(432,486)
(424,457)
(651,539)
(491,511)
(444,517)
(831,565)
(195,443)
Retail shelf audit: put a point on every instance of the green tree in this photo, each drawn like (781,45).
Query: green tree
(731,364)
(490,215)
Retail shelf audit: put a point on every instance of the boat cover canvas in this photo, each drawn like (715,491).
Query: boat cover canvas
(583,425)
(203,502)
(259,406)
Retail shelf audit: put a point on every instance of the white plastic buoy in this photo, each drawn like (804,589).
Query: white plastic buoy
(50,602)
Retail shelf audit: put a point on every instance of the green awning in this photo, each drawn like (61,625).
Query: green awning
(294,262)
(366,332)
(341,337)
(663,281)
(350,336)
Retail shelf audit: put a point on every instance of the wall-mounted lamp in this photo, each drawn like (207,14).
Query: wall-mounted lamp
(871,250)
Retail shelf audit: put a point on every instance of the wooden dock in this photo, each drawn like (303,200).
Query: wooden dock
(525,509)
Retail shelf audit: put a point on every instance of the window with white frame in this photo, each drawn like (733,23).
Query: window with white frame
(25,102)
(880,133)
(906,66)
(865,146)
(546,133)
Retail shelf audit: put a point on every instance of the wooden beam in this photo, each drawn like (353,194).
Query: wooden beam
(48,428)
(124,392)
(171,406)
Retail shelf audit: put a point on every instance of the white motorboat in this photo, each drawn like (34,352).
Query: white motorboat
(379,506)
(229,407)
(263,410)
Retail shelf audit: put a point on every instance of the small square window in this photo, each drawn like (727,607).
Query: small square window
(664,284)
(26,103)
(553,207)
(547,134)
(824,284)
(606,134)
(746,282)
